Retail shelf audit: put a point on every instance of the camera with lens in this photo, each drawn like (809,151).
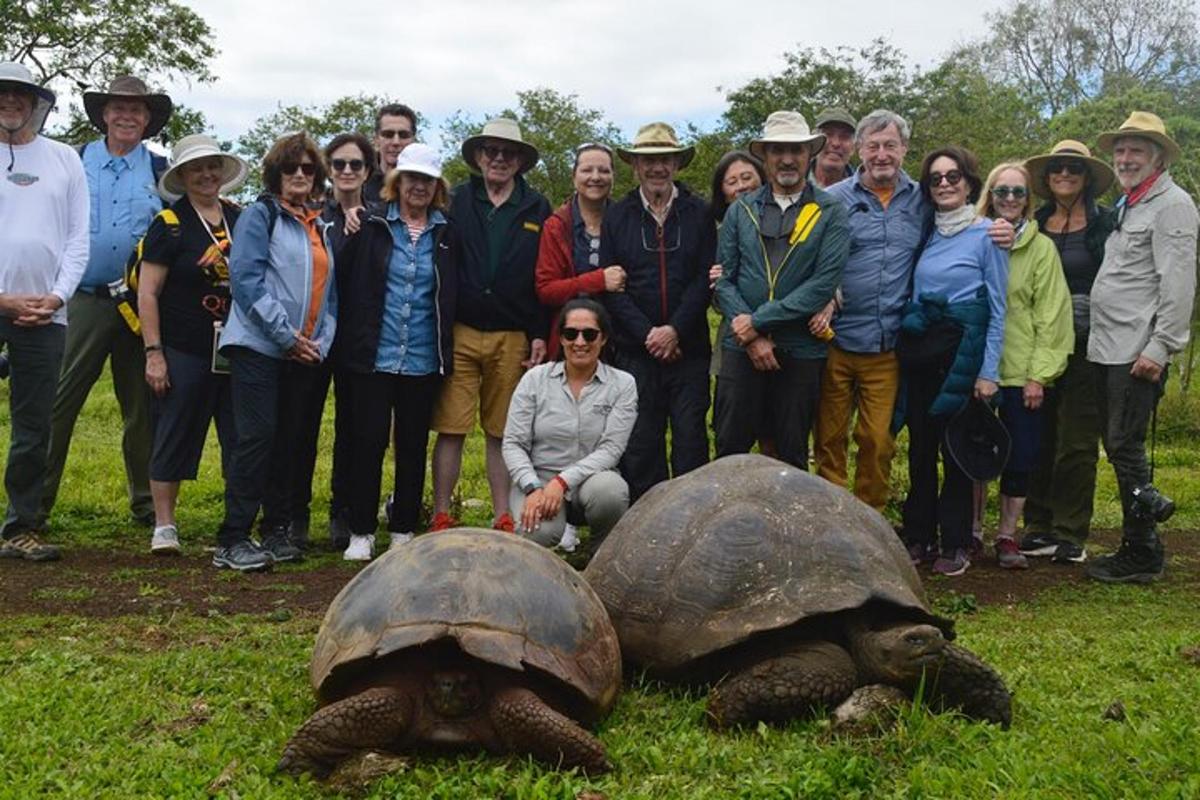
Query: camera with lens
(1151,504)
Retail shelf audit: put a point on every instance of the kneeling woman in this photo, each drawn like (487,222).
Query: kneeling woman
(568,424)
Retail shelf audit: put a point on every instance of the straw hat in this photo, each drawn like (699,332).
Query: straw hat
(656,139)
(1148,126)
(787,127)
(197,146)
(1102,174)
(506,130)
(128,87)
(13,73)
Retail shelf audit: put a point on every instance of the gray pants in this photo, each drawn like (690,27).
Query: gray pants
(1126,404)
(96,333)
(35,358)
(599,502)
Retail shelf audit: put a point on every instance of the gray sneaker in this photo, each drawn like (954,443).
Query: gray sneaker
(243,556)
(27,546)
(279,546)
(165,541)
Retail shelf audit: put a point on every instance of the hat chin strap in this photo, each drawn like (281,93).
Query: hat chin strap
(12,132)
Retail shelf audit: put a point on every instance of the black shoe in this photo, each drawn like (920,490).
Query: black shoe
(244,556)
(278,545)
(298,533)
(339,531)
(1038,544)
(1132,563)
(1069,553)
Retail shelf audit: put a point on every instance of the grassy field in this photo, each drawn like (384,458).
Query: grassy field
(182,705)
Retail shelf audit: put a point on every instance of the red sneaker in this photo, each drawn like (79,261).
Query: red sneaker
(442,521)
(505,523)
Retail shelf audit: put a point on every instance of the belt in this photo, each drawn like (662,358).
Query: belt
(97,291)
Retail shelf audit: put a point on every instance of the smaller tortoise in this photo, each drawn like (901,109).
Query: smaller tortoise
(782,591)
(467,638)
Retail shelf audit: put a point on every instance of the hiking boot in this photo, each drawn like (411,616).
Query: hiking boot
(504,523)
(339,531)
(1007,554)
(361,548)
(920,553)
(27,546)
(165,541)
(279,546)
(298,533)
(243,556)
(442,521)
(1038,544)
(399,540)
(952,564)
(1132,563)
(1069,553)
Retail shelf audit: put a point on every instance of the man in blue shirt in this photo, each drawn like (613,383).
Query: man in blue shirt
(122,177)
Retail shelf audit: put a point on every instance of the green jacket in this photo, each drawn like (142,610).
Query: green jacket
(1038,331)
(782,299)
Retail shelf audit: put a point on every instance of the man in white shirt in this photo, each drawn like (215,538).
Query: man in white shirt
(44,219)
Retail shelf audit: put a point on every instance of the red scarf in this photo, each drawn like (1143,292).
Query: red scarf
(1138,192)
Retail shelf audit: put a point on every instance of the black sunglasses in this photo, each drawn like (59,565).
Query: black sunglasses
(1009,191)
(308,168)
(393,134)
(493,152)
(571,334)
(1073,166)
(355,164)
(953,177)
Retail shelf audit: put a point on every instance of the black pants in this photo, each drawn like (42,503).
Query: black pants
(779,405)
(1126,404)
(310,413)
(675,393)
(378,399)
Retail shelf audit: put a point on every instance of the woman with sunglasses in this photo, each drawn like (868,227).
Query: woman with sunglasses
(1058,511)
(568,263)
(280,329)
(949,349)
(567,428)
(1038,337)
(398,289)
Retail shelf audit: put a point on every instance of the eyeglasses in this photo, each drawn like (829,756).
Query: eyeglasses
(402,134)
(1015,192)
(571,334)
(493,152)
(307,167)
(1073,166)
(953,178)
(340,164)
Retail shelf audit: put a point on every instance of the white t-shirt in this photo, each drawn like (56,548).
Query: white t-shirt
(44,219)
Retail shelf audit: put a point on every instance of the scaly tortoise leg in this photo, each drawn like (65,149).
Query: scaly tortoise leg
(527,725)
(373,719)
(962,680)
(794,683)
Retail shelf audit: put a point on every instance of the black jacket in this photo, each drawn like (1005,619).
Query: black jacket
(362,289)
(506,301)
(666,271)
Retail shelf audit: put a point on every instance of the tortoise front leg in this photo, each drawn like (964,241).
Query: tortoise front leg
(373,719)
(794,683)
(526,724)
(962,680)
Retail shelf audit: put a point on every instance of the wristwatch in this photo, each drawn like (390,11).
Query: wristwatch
(150,348)
(530,488)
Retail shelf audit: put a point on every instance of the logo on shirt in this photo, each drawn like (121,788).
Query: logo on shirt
(22,179)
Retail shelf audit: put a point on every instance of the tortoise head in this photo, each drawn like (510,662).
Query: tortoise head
(896,654)
(455,693)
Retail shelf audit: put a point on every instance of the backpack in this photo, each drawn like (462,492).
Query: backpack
(126,297)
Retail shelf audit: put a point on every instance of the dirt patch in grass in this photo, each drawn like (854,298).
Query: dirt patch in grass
(107,583)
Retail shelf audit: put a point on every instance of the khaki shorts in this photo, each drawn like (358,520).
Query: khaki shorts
(487,368)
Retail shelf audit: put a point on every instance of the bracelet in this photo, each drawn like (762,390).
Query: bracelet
(150,348)
(559,480)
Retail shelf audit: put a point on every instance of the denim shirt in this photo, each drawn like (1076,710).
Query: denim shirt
(408,332)
(124,200)
(876,280)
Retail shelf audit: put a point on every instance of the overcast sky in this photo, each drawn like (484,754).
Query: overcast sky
(635,59)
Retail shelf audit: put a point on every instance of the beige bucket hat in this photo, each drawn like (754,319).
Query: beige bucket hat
(507,130)
(656,139)
(787,127)
(191,148)
(1102,174)
(1148,126)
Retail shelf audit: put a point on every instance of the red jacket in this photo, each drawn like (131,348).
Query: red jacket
(555,278)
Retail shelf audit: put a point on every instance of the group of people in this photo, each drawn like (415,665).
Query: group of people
(578,336)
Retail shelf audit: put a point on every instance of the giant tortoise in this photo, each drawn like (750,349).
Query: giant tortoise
(781,591)
(466,638)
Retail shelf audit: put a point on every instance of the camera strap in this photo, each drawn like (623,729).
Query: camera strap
(1153,436)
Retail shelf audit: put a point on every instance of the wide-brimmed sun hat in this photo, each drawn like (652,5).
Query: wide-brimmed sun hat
(787,127)
(506,130)
(977,441)
(419,158)
(1102,174)
(1148,126)
(127,87)
(192,148)
(16,74)
(656,139)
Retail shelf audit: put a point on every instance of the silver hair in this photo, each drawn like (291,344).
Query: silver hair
(876,121)
(1158,152)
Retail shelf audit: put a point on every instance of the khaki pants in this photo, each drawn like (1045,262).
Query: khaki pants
(600,501)
(868,381)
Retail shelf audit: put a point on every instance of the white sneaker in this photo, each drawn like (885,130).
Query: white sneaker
(569,540)
(399,540)
(361,548)
(165,541)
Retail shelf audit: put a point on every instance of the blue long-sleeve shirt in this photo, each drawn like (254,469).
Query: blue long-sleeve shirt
(124,199)
(956,267)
